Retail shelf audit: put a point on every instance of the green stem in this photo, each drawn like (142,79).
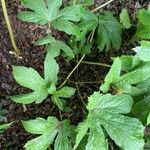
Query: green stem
(17,51)
(72,72)
(95,63)
(85,82)
(74,2)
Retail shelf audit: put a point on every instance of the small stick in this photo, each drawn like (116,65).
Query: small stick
(78,90)
(101,6)
(17,51)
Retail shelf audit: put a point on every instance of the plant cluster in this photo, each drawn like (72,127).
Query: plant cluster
(120,115)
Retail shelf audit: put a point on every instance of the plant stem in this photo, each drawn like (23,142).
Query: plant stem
(78,90)
(74,2)
(101,6)
(72,72)
(85,82)
(77,68)
(17,51)
(60,115)
(95,63)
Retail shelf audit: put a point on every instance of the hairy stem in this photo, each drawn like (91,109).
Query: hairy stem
(72,72)
(101,6)
(17,51)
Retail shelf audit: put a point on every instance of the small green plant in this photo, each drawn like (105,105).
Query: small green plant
(50,12)
(50,130)
(28,77)
(119,110)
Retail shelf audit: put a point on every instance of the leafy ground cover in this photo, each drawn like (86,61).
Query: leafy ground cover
(103,103)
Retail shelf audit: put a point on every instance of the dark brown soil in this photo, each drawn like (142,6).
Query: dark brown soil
(26,34)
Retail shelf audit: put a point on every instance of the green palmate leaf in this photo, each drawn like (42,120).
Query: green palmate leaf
(71,13)
(45,40)
(40,125)
(82,131)
(51,68)
(65,92)
(28,77)
(143,30)
(112,76)
(128,80)
(52,89)
(49,12)
(37,96)
(143,51)
(131,137)
(55,46)
(144,86)
(129,62)
(80,47)
(66,49)
(124,18)
(42,142)
(58,101)
(39,8)
(62,142)
(65,137)
(107,110)
(50,130)
(136,71)
(110,102)
(66,26)
(96,139)
(109,32)
(89,23)
(136,76)
(53,8)
(142,108)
